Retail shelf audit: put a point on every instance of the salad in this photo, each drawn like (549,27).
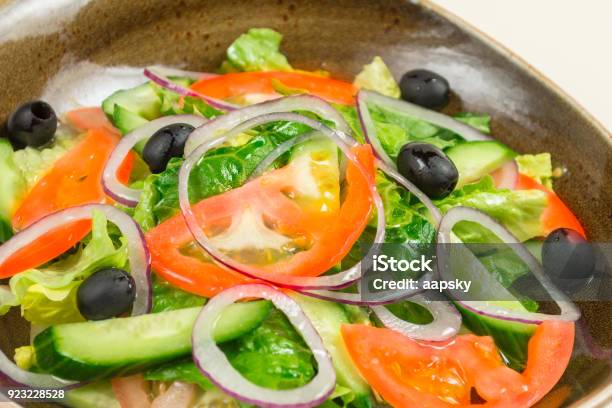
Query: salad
(197,240)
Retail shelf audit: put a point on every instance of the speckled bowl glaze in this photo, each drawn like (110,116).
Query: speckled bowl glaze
(529,113)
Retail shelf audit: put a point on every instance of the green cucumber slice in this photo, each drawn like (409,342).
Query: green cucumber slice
(327,318)
(142,100)
(94,350)
(475,160)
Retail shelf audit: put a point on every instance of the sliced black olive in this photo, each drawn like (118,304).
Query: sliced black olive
(425,88)
(166,143)
(568,259)
(32,124)
(428,168)
(107,293)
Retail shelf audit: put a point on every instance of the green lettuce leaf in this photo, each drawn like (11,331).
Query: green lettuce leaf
(404,222)
(536,166)
(395,129)
(182,370)
(256,50)
(7,299)
(149,196)
(376,76)
(274,355)
(167,297)
(48,295)
(12,185)
(6,230)
(519,210)
(479,122)
(34,163)
(349,113)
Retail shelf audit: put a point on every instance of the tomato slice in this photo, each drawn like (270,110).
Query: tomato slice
(408,373)
(84,119)
(557,214)
(73,180)
(239,84)
(245,213)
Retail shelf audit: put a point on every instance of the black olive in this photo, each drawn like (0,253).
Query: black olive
(568,259)
(166,143)
(32,124)
(428,168)
(425,88)
(107,293)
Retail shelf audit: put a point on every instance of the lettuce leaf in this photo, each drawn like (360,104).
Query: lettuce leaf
(536,166)
(167,297)
(519,210)
(256,50)
(6,230)
(7,299)
(12,185)
(376,76)
(349,113)
(181,370)
(395,129)
(34,163)
(48,295)
(274,355)
(479,122)
(149,196)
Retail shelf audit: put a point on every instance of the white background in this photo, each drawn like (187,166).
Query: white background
(568,41)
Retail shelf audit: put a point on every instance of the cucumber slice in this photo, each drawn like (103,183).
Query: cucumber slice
(475,160)
(94,350)
(141,100)
(511,337)
(327,318)
(126,120)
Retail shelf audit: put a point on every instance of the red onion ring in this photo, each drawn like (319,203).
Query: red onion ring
(335,281)
(16,375)
(357,299)
(213,363)
(569,311)
(310,103)
(365,96)
(506,176)
(157,76)
(138,256)
(112,186)
(445,324)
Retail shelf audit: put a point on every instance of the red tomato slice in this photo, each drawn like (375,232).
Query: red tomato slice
(408,373)
(84,119)
(238,84)
(332,235)
(73,180)
(557,214)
